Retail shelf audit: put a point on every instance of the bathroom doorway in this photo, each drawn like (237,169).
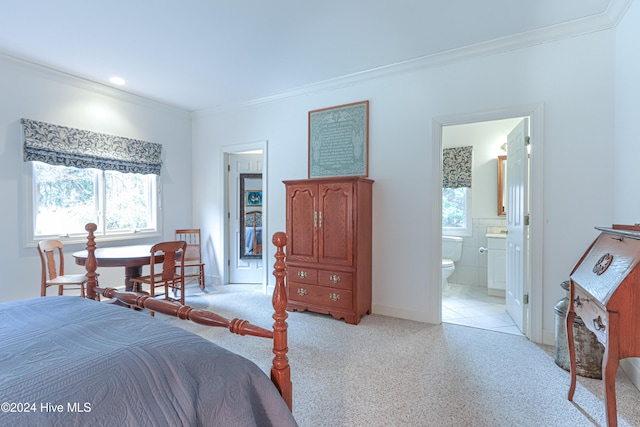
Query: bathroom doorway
(473,297)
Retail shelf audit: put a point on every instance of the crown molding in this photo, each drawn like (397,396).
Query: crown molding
(608,19)
(591,24)
(91,85)
(616,10)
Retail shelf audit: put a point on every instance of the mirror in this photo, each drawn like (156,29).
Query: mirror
(502,185)
(250,216)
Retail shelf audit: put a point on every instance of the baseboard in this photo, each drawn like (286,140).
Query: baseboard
(400,313)
(549,337)
(631,367)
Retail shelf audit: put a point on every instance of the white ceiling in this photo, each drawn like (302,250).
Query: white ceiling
(201,54)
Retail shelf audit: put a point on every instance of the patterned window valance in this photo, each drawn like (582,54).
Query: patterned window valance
(456,167)
(60,145)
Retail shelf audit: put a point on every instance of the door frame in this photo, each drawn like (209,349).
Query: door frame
(226,151)
(535,286)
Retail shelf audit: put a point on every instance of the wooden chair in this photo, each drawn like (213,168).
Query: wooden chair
(170,277)
(193,255)
(53,270)
(255,219)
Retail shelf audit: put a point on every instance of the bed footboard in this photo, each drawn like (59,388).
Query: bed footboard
(280,370)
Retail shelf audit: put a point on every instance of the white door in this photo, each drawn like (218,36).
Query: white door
(517,208)
(241,270)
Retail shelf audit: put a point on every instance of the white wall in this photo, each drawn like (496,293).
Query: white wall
(626,149)
(627,106)
(572,78)
(51,97)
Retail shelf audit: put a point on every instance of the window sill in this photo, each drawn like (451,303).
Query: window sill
(82,238)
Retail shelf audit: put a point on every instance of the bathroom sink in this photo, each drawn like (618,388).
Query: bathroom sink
(496,235)
(496,232)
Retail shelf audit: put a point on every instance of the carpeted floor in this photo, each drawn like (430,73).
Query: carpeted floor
(392,372)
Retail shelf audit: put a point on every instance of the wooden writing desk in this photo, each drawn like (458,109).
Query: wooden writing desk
(605,293)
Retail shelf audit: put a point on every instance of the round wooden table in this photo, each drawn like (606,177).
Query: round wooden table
(132,258)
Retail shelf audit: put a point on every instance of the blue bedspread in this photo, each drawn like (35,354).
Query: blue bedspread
(68,361)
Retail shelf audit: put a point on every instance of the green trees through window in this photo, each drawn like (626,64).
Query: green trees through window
(454,207)
(66,198)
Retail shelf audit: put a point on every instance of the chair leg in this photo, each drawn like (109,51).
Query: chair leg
(152,293)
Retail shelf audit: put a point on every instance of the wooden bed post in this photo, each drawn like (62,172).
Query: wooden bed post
(91,264)
(281,371)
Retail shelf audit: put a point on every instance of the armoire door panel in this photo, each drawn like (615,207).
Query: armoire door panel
(335,228)
(301,224)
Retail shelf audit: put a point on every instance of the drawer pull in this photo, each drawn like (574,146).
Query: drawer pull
(302,274)
(334,278)
(334,297)
(302,292)
(597,323)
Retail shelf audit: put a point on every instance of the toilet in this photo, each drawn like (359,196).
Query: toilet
(451,252)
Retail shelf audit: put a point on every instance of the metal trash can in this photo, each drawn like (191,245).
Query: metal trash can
(589,352)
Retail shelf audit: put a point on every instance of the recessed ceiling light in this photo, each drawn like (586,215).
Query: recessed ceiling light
(117,81)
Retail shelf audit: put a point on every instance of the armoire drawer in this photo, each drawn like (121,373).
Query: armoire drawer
(302,274)
(335,279)
(594,316)
(320,295)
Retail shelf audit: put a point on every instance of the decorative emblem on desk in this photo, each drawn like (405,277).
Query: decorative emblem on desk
(603,263)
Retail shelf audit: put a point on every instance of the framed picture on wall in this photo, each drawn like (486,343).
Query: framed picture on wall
(253,198)
(339,141)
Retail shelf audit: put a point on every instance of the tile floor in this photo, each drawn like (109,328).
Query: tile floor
(471,306)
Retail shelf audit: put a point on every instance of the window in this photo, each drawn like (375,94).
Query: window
(67,198)
(456,211)
(457,170)
(77,176)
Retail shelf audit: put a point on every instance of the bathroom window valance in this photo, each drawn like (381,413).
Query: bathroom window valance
(456,167)
(60,145)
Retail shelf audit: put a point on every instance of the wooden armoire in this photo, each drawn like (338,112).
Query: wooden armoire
(329,246)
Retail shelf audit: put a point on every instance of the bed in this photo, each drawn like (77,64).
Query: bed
(253,240)
(67,360)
